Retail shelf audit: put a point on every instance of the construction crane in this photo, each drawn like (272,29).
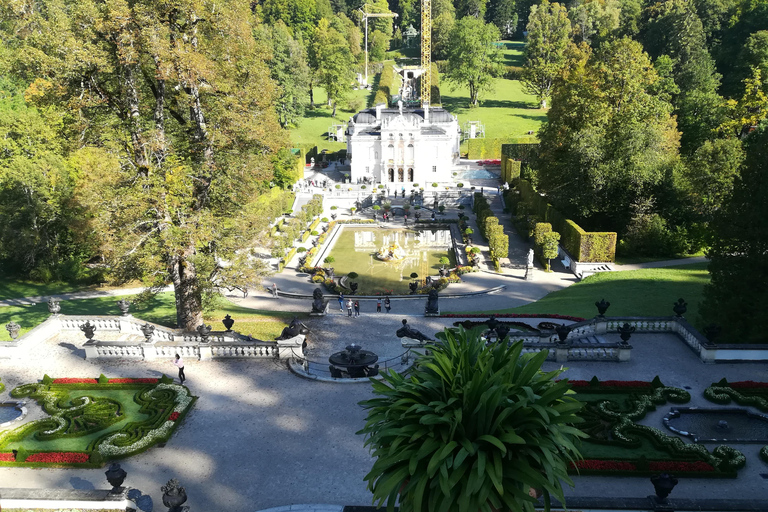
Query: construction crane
(366,15)
(426,51)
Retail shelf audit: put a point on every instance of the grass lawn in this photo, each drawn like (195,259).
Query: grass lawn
(14,288)
(313,128)
(633,260)
(507,111)
(375,276)
(161,309)
(513,53)
(647,292)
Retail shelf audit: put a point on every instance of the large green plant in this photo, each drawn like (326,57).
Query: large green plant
(471,429)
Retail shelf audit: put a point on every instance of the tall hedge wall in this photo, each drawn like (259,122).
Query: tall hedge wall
(387,85)
(583,246)
(491,148)
(434,89)
(510,169)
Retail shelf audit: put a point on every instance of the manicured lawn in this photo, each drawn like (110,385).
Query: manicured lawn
(377,276)
(14,288)
(633,260)
(647,292)
(161,309)
(506,112)
(513,53)
(313,128)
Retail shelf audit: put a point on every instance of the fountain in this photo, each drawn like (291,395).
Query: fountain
(718,424)
(391,252)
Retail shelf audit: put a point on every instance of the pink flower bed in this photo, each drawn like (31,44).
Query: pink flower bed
(604,465)
(134,381)
(75,381)
(174,416)
(673,466)
(7,457)
(59,457)
(611,384)
(748,384)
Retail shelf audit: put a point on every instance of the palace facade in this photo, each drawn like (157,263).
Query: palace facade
(403,146)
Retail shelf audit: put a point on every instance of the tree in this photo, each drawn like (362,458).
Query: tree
(291,73)
(738,291)
(332,63)
(503,14)
(710,175)
(180,96)
(549,33)
(594,19)
(474,8)
(609,139)
(744,114)
(299,15)
(443,20)
(379,43)
(471,428)
(473,58)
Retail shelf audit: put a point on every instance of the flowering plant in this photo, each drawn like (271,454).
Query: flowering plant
(174,416)
(75,381)
(514,315)
(7,457)
(59,457)
(134,381)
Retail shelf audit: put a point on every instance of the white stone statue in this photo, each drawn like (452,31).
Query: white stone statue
(400,106)
(530,258)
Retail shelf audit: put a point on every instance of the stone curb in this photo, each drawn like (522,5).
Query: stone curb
(422,296)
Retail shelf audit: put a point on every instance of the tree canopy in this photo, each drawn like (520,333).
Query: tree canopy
(473,58)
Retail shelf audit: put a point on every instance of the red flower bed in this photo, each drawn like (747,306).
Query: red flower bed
(59,457)
(515,315)
(603,465)
(748,384)
(174,416)
(75,381)
(134,381)
(669,466)
(7,457)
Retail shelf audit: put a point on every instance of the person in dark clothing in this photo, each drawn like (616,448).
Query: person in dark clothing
(179,363)
(357,308)
(387,304)
(378,305)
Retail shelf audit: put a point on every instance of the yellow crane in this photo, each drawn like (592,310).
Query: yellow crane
(426,51)
(366,15)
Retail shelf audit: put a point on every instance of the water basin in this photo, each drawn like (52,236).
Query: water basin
(9,412)
(477,174)
(718,424)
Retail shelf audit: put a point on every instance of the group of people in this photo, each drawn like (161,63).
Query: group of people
(355,305)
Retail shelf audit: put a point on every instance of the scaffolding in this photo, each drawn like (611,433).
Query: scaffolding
(337,132)
(426,51)
(473,130)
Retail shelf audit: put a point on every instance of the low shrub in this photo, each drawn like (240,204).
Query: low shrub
(460,185)
(434,185)
(301,249)
(335,207)
(314,233)
(324,219)
(415,185)
(329,259)
(338,186)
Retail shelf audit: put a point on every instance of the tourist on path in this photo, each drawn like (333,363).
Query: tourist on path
(357,308)
(378,305)
(349,307)
(387,303)
(179,362)
(274,290)
(341,301)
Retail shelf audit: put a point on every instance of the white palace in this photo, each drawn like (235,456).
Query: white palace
(403,146)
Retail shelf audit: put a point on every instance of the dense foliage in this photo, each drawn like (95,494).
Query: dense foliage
(471,428)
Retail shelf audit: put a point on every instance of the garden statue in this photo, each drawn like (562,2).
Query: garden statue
(625,331)
(406,332)
(501,332)
(432,308)
(329,273)
(663,485)
(89,329)
(204,330)
(53,306)
(530,258)
(318,305)
(562,332)
(174,496)
(602,307)
(13,329)
(443,271)
(492,323)
(353,287)
(148,330)
(293,329)
(124,305)
(413,287)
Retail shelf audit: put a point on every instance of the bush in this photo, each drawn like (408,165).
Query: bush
(434,185)
(352,275)
(376,207)
(335,207)
(415,185)
(478,149)
(329,259)
(441,208)
(363,187)
(445,261)
(414,275)
(314,233)
(324,219)
(460,185)
(549,246)
(381,186)
(387,84)
(649,235)
(301,249)
(338,187)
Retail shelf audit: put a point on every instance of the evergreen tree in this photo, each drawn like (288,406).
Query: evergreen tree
(735,299)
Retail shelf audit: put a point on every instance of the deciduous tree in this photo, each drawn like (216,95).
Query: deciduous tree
(473,58)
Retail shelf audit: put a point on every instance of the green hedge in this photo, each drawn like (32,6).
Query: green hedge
(434,90)
(524,151)
(510,169)
(387,84)
(491,148)
(583,246)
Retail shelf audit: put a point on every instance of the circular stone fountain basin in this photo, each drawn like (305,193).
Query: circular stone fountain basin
(718,424)
(11,412)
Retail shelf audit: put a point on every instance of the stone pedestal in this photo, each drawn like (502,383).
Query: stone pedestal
(150,351)
(434,313)
(529,273)
(321,313)
(206,352)
(561,353)
(601,325)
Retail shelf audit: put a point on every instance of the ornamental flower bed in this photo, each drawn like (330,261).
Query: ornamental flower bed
(78,408)
(612,410)
(745,392)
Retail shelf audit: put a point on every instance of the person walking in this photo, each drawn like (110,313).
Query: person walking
(274,290)
(378,305)
(387,303)
(179,362)
(357,308)
(341,302)
(349,307)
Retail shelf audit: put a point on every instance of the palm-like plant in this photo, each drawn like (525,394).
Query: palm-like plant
(471,429)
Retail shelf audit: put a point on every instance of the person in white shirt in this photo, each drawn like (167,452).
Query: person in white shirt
(179,362)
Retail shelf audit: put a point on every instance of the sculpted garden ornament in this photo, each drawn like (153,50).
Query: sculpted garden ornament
(432,307)
(13,329)
(228,323)
(89,329)
(204,331)
(53,306)
(174,496)
(406,332)
(318,305)
(124,306)
(147,330)
(680,307)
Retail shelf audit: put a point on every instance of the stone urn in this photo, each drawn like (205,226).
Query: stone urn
(147,330)
(53,306)
(562,332)
(625,331)
(174,496)
(116,476)
(228,323)
(663,485)
(501,332)
(413,286)
(353,287)
(680,307)
(602,307)
(204,330)
(88,329)
(124,305)
(13,329)
(492,323)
